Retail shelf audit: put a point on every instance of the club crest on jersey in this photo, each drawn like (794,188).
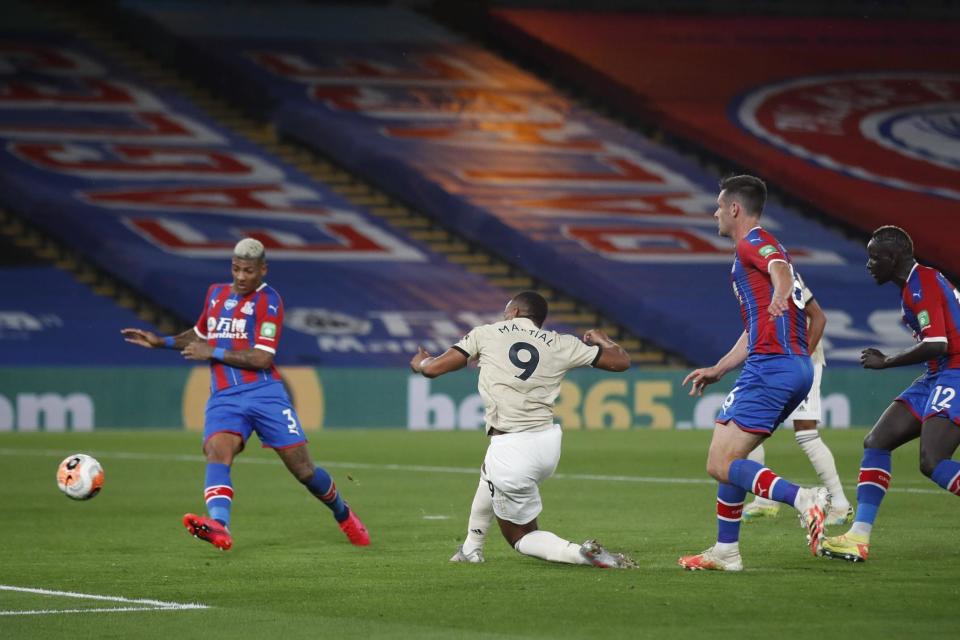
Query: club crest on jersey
(247,308)
(229,304)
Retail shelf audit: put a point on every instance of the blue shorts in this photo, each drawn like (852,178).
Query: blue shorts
(934,394)
(769,388)
(261,407)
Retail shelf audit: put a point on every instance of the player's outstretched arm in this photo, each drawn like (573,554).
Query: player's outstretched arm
(431,367)
(921,352)
(150,340)
(612,357)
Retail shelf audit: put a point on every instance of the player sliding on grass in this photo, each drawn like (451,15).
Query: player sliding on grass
(521,368)
(238,332)
(777,375)
(929,408)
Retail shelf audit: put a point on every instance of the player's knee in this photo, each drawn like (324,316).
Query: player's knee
(717,470)
(872,441)
(303,473)
(928,462)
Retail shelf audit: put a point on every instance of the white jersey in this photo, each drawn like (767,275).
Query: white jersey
(521,368)
(817,356)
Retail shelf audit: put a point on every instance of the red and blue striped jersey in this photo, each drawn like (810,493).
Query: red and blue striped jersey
(931,309)
(237,323)
(753,288)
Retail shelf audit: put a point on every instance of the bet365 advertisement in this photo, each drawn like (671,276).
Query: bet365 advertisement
(84,399)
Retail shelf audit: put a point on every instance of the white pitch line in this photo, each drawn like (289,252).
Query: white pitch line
(156,605)
(128,455)
(49,612)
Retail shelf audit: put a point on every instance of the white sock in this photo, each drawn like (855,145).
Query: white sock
(550,547)
(823,463)
(757,455)
(727,548)
(481,515)
(861,529)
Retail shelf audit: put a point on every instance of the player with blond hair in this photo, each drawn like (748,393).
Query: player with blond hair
(238,332)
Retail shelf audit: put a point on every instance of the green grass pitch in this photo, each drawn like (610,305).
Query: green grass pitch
(292,574)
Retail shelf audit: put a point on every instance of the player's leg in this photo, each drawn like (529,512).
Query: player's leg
(939,440)
(763,395)
(278,427)
(941,432)
(759,508)
(319,483)
(226,430)
(481,517)
(820,456)
(515,464)
(220,450)
(729,443)
(899,424)
(804,420)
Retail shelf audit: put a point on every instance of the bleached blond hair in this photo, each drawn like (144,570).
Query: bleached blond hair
(250,249)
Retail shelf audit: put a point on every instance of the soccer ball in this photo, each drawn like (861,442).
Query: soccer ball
(80,476)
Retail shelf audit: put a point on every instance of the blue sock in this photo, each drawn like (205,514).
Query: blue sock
(872,485)
(218,492)
(757,479)
(322,486)
(947,475)
(729,509)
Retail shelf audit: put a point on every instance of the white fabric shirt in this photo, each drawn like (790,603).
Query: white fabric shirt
(817,356)
(521,369)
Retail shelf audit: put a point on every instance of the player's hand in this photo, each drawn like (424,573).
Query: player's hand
(778,306)
(197,350)
(700,378)
(418,358)
(596,337)
(141,337)
(871,358)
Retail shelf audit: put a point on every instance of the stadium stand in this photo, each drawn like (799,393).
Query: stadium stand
(142,182)
(48,318)
(856,118)
(581,202)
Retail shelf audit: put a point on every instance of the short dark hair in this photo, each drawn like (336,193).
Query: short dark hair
(894,237)
(531,304)
(751,191)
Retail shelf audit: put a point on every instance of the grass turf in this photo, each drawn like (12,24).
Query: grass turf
(292,574)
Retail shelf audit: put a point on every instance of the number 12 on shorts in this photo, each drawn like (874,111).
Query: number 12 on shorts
(942,397)
(291,422)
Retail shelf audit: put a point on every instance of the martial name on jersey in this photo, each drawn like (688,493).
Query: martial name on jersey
(521,369)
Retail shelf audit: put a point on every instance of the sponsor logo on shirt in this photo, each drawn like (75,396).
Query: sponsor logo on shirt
(924,319)
(766,250)
(227,328)
(268,330)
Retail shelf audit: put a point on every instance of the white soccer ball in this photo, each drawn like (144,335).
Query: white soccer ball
(80,476)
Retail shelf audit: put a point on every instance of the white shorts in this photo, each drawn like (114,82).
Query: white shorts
(809,409)
(515,464)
